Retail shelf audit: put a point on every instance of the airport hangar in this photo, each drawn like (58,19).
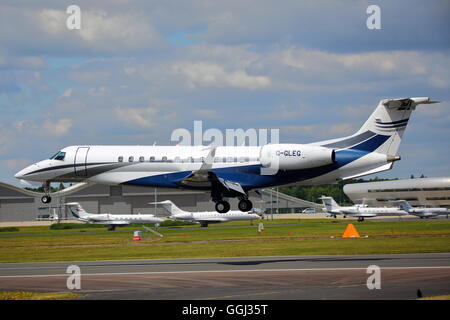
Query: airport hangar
(21,205)
(429,192)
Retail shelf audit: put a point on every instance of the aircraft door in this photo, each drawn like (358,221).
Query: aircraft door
(80,161)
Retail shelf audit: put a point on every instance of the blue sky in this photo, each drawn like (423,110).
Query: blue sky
(137,70)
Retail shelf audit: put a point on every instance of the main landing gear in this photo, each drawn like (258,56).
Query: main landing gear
(245,205)
(223,206)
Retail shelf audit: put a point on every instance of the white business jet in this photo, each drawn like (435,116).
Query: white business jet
(206,217)
(359,211)
(422,212)
(112,220)
(235,171)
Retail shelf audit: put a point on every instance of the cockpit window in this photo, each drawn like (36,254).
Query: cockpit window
(58,156)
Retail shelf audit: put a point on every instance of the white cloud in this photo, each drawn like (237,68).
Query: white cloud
(26,62)
(206,113)
(340,129)
(67,93)
(115,32)
(100,91)
(91,77)
(206,74)
(437,110)
(57,129)
(17,163)
(142,117)
(400,63)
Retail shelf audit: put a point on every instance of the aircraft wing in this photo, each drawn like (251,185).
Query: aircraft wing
(205,177)
(427,214)
(211,220)
(364,215)
(357,213)
(115,222)
(201,177)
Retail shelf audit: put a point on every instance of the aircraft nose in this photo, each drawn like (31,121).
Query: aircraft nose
(22,173)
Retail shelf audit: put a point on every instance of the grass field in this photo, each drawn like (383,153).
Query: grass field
(26,295)
(280,237)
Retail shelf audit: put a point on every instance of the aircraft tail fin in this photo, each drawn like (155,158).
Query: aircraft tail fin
(390,119)
(169,206)
(383,130)
(404,205)
(77,210)
(329,203)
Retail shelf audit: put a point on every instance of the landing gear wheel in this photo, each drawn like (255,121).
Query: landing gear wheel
(222,206)
(245,205)
(46,199)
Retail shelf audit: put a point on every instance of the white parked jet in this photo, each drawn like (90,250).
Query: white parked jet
(112,220)
(235,171)
(360,211)
(421,212)
(205,217)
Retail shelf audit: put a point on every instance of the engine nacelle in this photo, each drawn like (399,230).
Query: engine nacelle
(295,156)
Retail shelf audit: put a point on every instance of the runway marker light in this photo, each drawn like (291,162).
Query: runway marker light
(261,228)
(137,236)
(350,232)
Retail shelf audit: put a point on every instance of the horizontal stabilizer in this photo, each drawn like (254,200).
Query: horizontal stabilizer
(385,167)
(406,103)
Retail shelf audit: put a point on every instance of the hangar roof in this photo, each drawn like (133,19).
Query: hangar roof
(419,183)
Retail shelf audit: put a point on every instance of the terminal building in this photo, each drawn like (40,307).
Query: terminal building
(21,205)
(430,192)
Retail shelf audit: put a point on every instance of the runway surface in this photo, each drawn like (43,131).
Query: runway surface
(291,277)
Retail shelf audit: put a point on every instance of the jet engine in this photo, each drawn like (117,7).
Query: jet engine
(295,156)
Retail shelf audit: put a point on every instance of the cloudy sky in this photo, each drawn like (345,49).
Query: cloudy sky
(137,70)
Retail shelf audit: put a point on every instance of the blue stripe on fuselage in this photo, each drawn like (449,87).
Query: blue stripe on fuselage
(249,176)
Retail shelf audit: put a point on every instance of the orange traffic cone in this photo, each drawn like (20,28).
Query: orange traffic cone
(350,232)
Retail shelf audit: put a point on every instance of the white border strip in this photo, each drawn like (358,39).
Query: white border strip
(216,271)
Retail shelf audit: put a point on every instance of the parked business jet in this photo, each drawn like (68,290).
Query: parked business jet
(112,220)
(235,171)
(206,217)
(360,211)
(421,212)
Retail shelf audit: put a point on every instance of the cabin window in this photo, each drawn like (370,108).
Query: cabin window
(131,159)
(152,159)
(164,159)
(120,159)
(141,159)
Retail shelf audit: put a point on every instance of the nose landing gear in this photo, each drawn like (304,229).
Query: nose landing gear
(46,197)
